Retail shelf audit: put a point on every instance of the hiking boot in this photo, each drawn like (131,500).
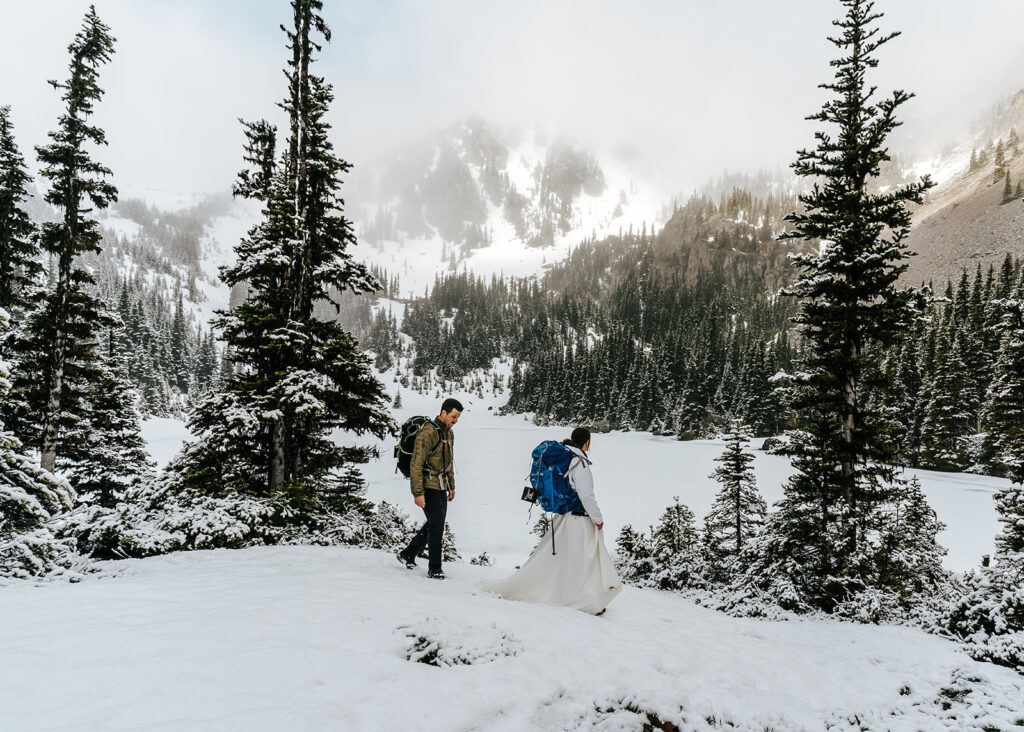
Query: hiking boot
(409,563)
(436,575)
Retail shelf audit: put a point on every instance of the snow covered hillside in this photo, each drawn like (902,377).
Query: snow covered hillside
(495,201)
(636,474)
(316,638)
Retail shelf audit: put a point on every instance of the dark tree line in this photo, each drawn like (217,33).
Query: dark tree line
(936,382)
(621,339)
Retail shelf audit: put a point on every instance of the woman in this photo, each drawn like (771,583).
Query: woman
(579,574)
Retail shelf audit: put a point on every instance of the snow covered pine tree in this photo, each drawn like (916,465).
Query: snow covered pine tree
(991,615)
(19,251)
(295,377)
(822,543)
(738,512)
(56,349)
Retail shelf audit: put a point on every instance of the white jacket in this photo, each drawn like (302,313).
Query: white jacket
(582,481)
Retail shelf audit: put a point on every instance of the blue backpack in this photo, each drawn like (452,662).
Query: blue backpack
(549,477)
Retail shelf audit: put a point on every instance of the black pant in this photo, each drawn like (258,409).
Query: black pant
(432,532)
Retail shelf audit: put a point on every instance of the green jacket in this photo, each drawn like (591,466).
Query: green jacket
(442,461)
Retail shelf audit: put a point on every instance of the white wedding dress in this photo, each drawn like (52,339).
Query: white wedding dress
(579,574)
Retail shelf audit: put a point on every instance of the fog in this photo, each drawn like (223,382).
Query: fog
(688,89)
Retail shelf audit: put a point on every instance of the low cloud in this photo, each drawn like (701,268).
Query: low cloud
(690,88)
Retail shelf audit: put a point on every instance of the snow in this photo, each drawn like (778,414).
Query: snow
(125,228)
(164,437)
(218,249)
(165,200)
(418,260)
(636,476)
(316,638)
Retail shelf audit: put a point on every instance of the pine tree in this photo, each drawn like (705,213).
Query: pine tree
(843,453)
(19,260)
(676,545)
(910,558)
(1007,190)
(107,454)
(1003,446)
(296,377)
(29,498)
(739,511)
(946,419)
(59,342)
(635,560)
(1000,162)
(179,347)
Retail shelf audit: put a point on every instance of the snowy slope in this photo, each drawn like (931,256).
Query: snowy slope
(314,638)
(625,201)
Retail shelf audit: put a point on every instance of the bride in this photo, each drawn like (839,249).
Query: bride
(577,572)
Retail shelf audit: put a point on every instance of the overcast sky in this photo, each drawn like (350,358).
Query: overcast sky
(691,87)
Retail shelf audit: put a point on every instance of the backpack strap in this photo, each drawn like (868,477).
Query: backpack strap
(577,461)
(427,469)
(437,434)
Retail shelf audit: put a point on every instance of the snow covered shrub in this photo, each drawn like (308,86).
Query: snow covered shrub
(386,528)
(482,560)
(29,498)
(449,552)
(909,559)
(436,644)
(635,556)
(678,560)
(989,617)
(158,517)
(872,605)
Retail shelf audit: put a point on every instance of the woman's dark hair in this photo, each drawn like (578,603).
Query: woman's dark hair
(580,437)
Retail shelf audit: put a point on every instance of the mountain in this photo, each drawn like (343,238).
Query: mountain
(514,201)
(965,222)
(494,200)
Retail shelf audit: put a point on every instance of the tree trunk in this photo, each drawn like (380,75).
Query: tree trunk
(277,455)
(55,379)
(48,452)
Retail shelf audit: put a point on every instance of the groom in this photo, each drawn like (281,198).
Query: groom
(432,479)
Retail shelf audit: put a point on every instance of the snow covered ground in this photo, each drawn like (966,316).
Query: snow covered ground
(315,638)
(636,476)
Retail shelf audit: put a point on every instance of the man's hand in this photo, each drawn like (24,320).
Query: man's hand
(600,526)
(451,495)
(421,501)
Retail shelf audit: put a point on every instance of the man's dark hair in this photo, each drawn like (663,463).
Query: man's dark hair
(449,404)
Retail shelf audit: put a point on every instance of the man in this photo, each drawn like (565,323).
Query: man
(432,479)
